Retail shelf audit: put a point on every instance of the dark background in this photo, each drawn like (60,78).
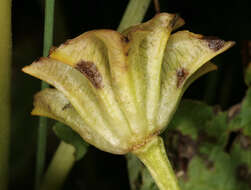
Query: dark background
(230,20)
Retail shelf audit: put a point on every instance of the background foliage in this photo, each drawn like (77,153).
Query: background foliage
(208,143)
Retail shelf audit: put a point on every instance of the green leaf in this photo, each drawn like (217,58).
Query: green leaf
(204,154)
(218,176)
(71,137)
(190,117)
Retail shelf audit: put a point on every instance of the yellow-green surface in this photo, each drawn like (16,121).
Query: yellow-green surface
(123,88)
(153,155)
(5,67)
(59,167)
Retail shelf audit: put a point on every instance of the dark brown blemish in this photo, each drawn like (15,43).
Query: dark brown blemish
(181,149)
(187,149)
(127,51)
(181,76)
(125,39)
(214,43)
(91,72)
(66,106)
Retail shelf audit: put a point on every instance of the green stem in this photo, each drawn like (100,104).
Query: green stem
(153,155)
(134,14)
(61,164)
(42,130)
(5,68)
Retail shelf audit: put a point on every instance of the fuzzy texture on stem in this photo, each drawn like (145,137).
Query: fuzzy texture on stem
(5,68)
(42,130)
(61,164)
(153,155)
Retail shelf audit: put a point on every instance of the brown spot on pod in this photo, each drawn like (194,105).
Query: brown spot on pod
(91,72)
(213,42)
(66,106)
(181,76)
(125,39)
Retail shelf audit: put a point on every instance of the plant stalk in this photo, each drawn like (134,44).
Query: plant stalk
(42,128)
(5,74)
(134,13)
(153,155)
(61,164)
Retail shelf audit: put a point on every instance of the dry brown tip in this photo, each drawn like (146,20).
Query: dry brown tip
(214,42)
(125,39)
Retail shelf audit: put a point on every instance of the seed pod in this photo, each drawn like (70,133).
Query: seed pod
(119,90)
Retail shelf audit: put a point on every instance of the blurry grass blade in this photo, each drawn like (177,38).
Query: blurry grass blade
(42,127)
(185,53)
(134,13)
(5,70)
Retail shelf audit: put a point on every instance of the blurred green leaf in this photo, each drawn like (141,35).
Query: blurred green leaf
(71,137)
(190,117)
(207,148)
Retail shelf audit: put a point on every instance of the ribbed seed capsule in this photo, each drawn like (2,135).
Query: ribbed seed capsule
(119,90)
